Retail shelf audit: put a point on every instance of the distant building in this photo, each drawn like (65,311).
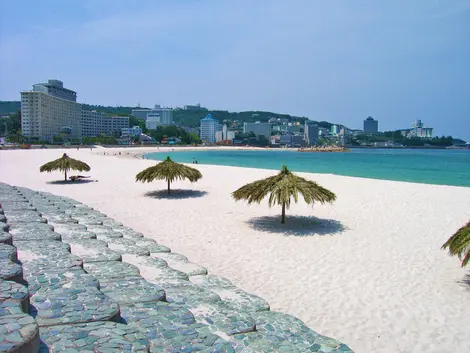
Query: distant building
(334,130)
(230,136)
(294,129)
(140,114)
(95,124)
(131,132)
(297,140)
(310,133)
(92,123)
(418,130)
(56,88)
(224,132)
(371,126)
(166,115)
(218,136)
(208,128)
(50,110)
(156,116)
(280,128)
(285,139)
(258,128)
(357,132)
(278,120)
(113,125)
(194,107)
(152,121)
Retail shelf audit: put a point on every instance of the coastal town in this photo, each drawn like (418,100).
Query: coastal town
(49,114)
(234,177)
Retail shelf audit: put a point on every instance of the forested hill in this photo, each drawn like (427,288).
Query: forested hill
(189,118)
(192,117)
(9,107)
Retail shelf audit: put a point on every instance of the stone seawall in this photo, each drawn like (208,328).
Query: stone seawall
(74,280)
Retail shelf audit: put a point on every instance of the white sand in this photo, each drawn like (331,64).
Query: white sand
(381,285)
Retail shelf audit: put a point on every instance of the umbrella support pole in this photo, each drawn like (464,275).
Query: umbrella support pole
(283,219)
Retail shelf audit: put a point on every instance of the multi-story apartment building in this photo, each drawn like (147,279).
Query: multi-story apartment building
(92,123)
(95,123)
(131,132)
(140,114)
(113,125)
(152,121)
(50,110)
(208,128)
(418,130)
(310,133)
(166,115)
(155,117)
(258,128)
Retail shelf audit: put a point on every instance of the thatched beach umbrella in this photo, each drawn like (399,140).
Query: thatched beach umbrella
(282,187)
(459,244)
(65,163)
(169,171)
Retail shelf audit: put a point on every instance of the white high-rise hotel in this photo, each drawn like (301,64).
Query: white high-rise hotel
(208,129)
(48,110)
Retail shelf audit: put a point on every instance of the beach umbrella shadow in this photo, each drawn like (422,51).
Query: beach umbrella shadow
(297,226)
(176,194)
(69,182)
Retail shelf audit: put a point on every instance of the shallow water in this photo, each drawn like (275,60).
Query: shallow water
(443,167)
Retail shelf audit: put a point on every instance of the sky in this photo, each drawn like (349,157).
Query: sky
(336,60)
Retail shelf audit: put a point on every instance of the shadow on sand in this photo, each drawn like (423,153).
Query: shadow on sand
(466,281)
(296,225)
(176,194)
(69,182)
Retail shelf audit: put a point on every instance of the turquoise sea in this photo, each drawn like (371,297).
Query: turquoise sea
(443,167)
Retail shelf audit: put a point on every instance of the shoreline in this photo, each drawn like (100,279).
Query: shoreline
(367,270)
(140,154)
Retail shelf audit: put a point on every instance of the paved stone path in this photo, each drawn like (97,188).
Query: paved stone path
(70,281)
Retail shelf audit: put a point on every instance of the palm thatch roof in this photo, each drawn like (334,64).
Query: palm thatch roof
(282,188)
(170,171)
(64,164)
(459,244)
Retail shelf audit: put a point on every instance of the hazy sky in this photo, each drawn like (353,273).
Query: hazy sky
(335,60)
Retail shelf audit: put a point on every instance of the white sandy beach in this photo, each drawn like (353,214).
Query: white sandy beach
(370,273)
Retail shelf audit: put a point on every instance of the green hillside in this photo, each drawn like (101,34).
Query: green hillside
(188,118)
(7,107)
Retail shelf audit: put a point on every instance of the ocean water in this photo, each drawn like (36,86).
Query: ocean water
(443,167)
